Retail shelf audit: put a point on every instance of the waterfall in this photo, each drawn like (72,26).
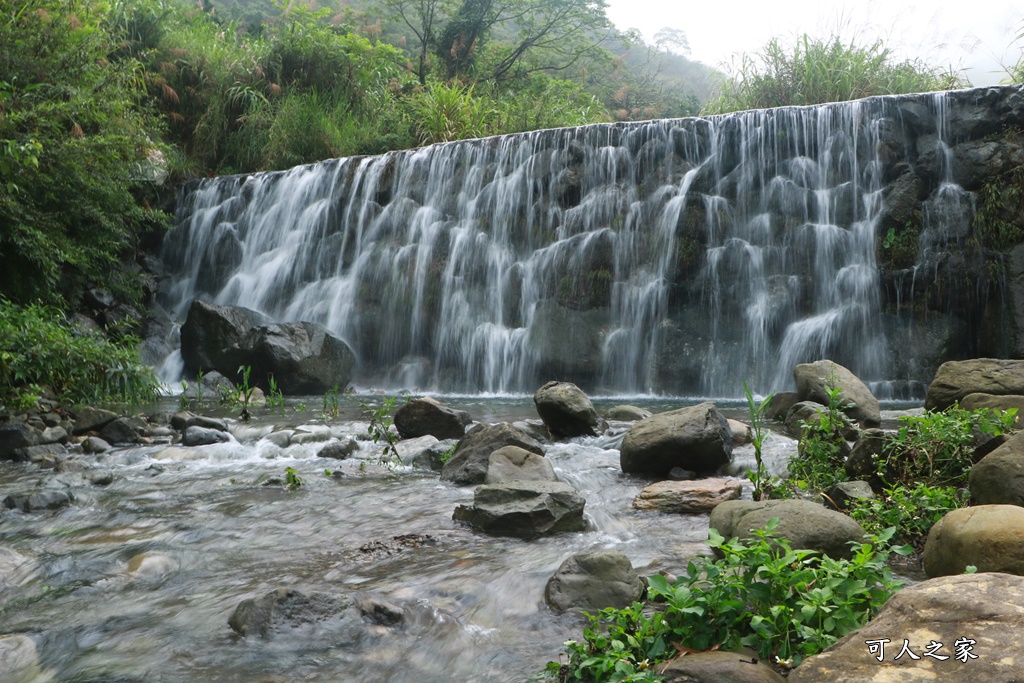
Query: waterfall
(675,256)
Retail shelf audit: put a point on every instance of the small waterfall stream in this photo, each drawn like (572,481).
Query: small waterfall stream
(678,257)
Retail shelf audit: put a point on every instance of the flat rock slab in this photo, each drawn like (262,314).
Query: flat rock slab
(698,495)
(985,609)
(524,509)
(957,379)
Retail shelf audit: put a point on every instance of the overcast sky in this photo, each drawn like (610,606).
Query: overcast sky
(975,35)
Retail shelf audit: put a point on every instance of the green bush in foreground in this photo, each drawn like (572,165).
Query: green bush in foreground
(39,348)
(783,603)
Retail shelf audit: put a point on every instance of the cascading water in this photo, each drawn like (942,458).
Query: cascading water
(677,256)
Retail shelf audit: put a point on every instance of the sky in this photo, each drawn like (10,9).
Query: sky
(976,36)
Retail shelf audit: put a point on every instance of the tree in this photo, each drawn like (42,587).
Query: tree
(672,40)
(422,17)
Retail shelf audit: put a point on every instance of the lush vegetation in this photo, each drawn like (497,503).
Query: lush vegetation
(785,604)
(814,70)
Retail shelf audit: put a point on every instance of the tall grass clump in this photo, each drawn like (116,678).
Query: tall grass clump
(818,70)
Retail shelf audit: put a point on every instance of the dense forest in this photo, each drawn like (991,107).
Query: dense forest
(105,108)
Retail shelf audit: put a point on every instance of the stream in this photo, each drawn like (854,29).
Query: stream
(136,580)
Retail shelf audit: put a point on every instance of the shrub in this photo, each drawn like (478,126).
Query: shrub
(39,348)
(762,594)
(911,510)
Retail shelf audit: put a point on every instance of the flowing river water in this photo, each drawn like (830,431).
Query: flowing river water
(135,580)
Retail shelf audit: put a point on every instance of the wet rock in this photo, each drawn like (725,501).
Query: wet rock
(334,618)
(807,525)
(283,438)
(19,660)
(177,453)
(337,449)
(989,537)
(94,444)
(741,433)
(211,387)
(720,666)
(524,509)
(201,436)
(104,478)
(512,463)
(213,337)
(780,405)
(700,495)
(185,419)
(955,380)
(88,419)
(998,478)
(16,435)
(151,565)
(432,457)
(15,568)
(594,581)
(47,457)
(567,411)
(987,609)
(411,449)
(304,357)
(427,416)
(34,502)
(123,430)
(380,612)
(858,401)
(695,438)
(472,455)
(310,434)
(627,413)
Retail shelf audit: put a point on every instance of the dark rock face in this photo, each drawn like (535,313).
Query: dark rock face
(336,618)
(14,436)
(697,438)
(470,461)
(808,525)
(524,509)
(423,416)
(566,411)
(303,357)
(594,581)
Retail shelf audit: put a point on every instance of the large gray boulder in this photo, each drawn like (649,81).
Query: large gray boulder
(512,463)
(15,436)
(807,525)
(594,581)
(989,537)
(303,357)
(998,478)
(695,438)
(213,337)
(985,609)
(425,415)
(567,411)
(524,509)
(813,380)
(957,379)
(471,459)
(88,418)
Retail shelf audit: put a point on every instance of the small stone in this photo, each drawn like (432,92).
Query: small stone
(700,495)
(339,450)
(201,436)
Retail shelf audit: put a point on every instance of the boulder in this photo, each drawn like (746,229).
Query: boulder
(94,444)
(304,434)
(432,458)
(335,618)
(719,666)
(185,419)
(428,416)
(594,581)
(524,509)
(957,379)
(780,405)
(14,436)
(214,337)
(88,419)
(54,435)
(699,495)
(123,430)
(840,496)
(33,502)
(998,478)
(409,450)
(469,463)
(993,402)
(989,537)
(627,413)
(201,436)
(304,357)
(982,611)
(741,433)
(567,411)
(695,438)
(46,456)
(512,463)
(857,400)
(807,525)
(862,463)
(337,449)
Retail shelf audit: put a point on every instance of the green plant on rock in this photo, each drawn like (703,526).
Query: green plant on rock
(448,454)
(764,483)
(783,603)
(821,451)
(245,391)
(911,510)
(380,429)
(292,480)
(275,397)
